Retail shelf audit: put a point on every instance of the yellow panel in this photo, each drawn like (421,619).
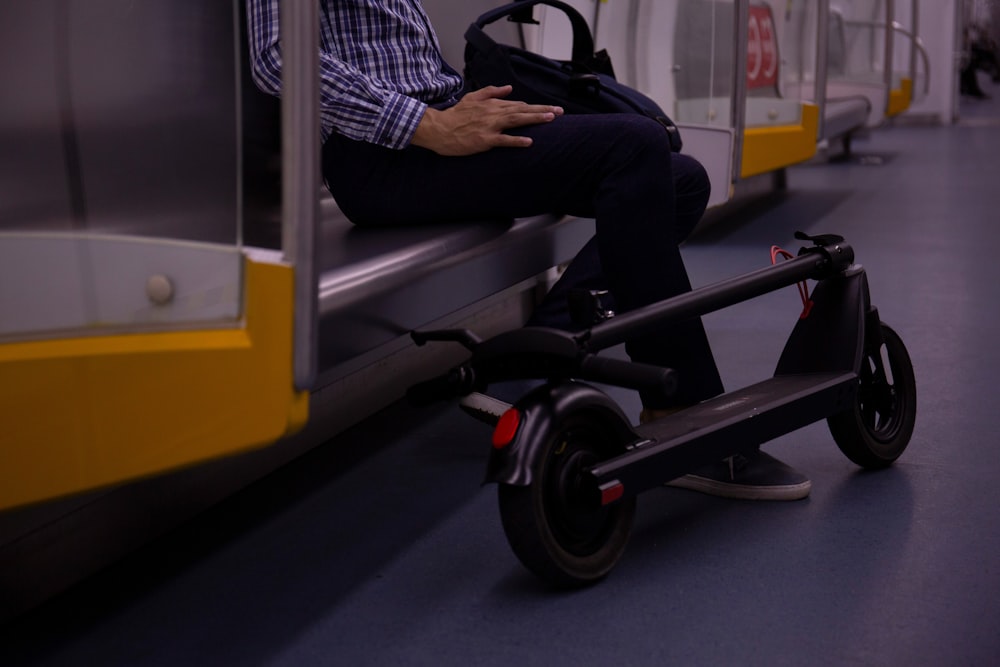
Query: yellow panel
(83,413)
(768,149)
(899,98)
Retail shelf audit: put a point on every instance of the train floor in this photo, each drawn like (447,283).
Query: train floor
(382,547)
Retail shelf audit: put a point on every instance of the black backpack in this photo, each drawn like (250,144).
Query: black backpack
(584,84)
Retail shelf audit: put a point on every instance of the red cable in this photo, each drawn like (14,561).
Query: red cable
(807,303)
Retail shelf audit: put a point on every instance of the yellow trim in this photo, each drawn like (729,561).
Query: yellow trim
(899,98)
(82,413)
(768,149)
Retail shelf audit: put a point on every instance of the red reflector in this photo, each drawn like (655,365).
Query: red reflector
(506,428)
(611,492)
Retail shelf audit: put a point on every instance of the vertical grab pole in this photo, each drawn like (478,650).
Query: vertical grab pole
(300,148)
(741,22)
(890,12)
(914,45)
(822,61)
(632,61)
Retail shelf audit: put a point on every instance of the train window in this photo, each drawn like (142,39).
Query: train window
(119,165)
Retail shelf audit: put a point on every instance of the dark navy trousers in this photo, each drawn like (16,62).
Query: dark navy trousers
(617,169)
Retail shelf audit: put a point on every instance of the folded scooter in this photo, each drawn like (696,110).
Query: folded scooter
(569,464)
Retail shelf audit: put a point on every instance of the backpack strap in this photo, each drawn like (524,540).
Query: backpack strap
(583,42)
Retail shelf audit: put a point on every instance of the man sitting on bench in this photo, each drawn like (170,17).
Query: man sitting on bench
(406,144)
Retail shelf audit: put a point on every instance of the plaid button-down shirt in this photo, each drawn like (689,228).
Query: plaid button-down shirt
(380,66)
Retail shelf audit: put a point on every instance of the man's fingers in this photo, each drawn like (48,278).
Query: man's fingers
(522,108)
(480,120)
(517,106)
(520,119)
(489,92)
(495,95)
(510,141)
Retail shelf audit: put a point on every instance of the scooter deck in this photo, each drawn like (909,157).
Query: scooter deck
(733,423)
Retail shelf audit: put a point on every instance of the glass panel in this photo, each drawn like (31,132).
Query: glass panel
(697,71)
(857,40)
(120,169)
(679,52)
(797,28)
(774,61)
(856,60)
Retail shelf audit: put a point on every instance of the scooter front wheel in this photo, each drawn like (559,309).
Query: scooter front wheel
(877,428)
(552,524)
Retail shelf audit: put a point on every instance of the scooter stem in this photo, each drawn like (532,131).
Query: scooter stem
(813,263)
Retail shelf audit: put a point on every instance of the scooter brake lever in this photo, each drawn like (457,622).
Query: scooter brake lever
(820,239)
(839,254)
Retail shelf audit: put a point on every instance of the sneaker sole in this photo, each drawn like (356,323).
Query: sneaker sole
(714,487)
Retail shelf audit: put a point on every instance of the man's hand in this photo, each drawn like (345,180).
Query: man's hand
(477,123)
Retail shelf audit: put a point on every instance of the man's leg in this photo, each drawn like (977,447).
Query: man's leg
(691,192)
(617,169)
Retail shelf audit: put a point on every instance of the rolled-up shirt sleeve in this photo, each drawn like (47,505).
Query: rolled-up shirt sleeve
(351,103)
(361,109)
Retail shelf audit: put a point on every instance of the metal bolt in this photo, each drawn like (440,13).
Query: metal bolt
(159,289)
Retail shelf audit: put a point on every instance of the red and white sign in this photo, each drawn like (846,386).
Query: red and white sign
(762,49)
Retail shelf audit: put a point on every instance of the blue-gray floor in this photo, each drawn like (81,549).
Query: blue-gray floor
(381,548)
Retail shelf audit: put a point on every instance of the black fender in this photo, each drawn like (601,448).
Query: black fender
(831,336)
(541,410)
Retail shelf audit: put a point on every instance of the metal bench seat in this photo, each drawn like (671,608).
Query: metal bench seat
(378,284)
(843,116)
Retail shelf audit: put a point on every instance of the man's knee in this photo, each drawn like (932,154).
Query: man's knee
(692,190)
(642,131)
(690,176)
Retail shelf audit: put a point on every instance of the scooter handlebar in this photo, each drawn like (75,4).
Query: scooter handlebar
(629,374)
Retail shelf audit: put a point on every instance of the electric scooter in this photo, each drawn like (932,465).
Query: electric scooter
(569,464)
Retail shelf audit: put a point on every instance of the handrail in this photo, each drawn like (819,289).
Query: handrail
(300,146)
(889,50)
(919,48)
(918,43)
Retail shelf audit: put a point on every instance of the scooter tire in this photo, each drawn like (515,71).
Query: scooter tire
(874,432)
(552,528)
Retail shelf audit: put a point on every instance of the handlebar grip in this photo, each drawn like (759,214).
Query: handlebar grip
(629,374)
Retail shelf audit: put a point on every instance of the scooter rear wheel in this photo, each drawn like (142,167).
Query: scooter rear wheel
(876,430)
(552,525)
